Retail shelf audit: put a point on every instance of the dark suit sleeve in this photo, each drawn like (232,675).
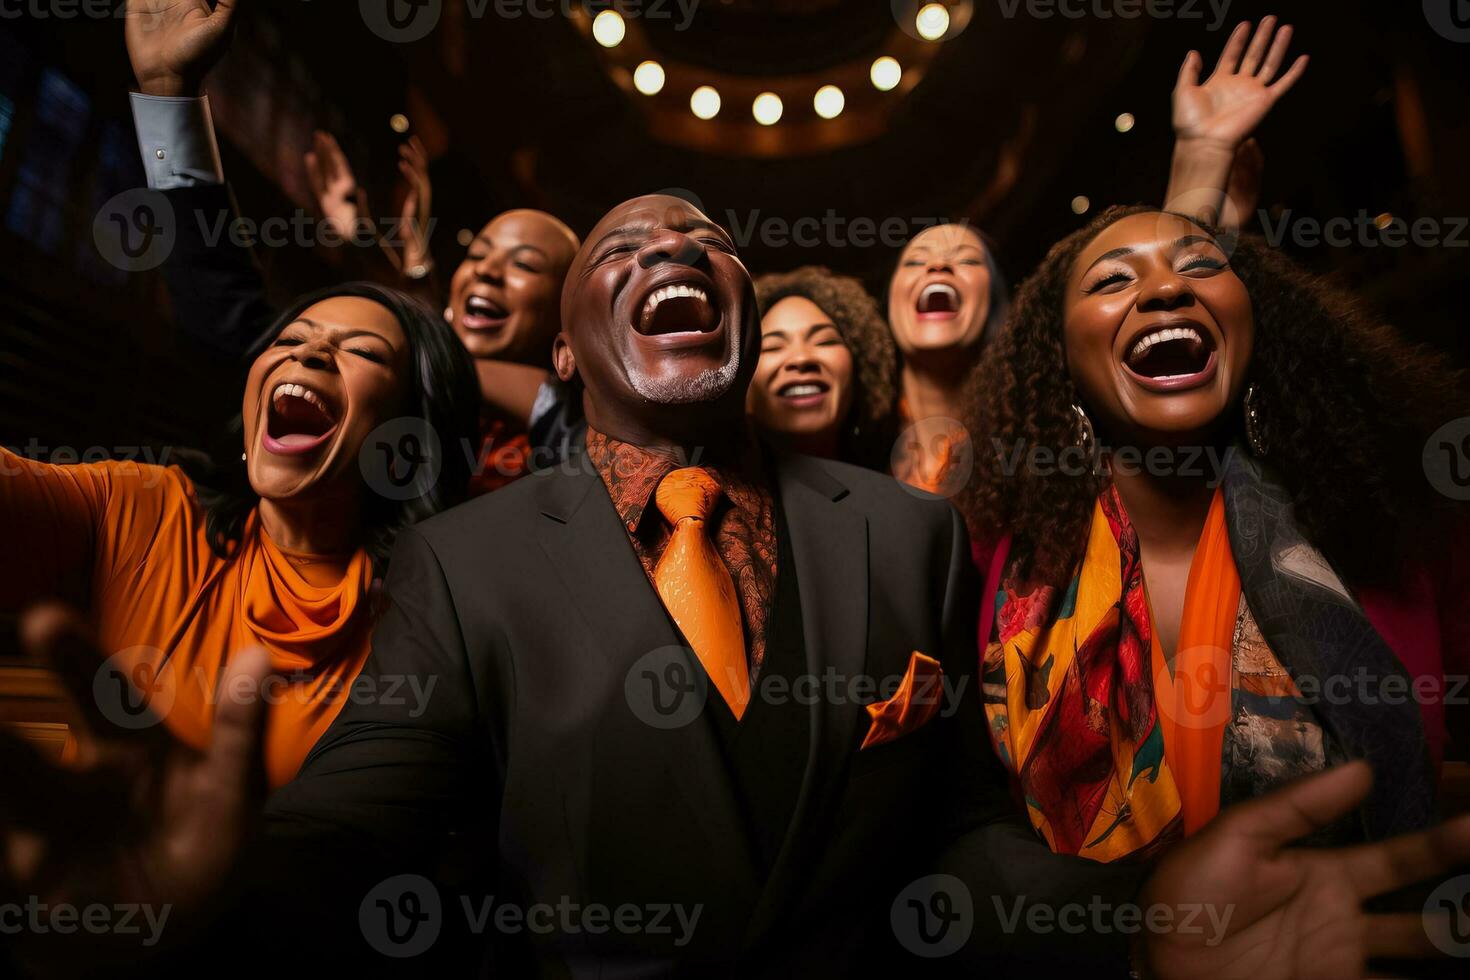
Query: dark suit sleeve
(399,785)
(993,849)
(217,290)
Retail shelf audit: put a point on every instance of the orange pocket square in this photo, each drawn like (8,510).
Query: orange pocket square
(913,707)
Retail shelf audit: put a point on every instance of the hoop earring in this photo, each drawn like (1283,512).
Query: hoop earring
(1255,428)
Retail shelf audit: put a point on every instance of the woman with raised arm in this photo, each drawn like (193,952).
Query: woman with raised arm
(503,298)
(350,429)
(1215,562)
(947,298)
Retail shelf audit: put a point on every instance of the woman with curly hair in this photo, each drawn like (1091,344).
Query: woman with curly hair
(1215,567)
(947,298)
(825,382)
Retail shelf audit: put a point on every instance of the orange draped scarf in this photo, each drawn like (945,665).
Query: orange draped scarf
(130,541)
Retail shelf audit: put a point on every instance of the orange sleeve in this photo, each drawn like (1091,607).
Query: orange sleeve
(54,524)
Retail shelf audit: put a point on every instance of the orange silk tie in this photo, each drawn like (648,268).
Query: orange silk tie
(696,587)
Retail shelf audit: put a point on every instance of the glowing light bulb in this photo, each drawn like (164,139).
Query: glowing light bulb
(829,102)
(648,78)
(932,21)
(705,102)
(608,28)
(767,108)
(886,73)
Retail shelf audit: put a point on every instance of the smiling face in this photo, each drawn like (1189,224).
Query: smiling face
(658,312)
(803,385)
(505,295)
(332,376)
(939,297)
(1158,330)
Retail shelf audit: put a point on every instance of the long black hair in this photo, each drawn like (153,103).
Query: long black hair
(443,398)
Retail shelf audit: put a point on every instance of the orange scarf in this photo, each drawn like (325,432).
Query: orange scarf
(1115,752)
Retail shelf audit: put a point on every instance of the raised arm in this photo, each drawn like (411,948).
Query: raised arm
(217,290)
(1214,119)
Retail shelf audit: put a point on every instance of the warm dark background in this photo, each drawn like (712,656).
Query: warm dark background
(1012,120)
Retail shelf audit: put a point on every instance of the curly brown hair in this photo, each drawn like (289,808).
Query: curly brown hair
(869,439)
(1346,406)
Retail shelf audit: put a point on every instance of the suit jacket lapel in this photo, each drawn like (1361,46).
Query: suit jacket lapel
(829,544)
(585,540)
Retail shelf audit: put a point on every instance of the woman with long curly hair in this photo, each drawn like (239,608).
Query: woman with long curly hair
(1212,559)
(826,379)
(947,298)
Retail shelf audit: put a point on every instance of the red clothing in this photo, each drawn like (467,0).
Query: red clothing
(505,456)
(744,522)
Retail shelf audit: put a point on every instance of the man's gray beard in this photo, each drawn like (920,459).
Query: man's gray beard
(704,387)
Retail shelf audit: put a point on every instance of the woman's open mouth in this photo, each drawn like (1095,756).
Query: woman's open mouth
(483,313)
(1172,358)
(678,314)
(938,301)
(804,394)
(298,421)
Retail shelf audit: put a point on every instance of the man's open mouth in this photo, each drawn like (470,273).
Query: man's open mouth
(804,393)
(298,420)
(679,308)
(1172,357)
(938,299)
(483,313)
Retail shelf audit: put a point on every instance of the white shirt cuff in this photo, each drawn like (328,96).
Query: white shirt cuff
(176,138)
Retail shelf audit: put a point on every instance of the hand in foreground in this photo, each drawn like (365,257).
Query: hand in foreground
(1233,101)
(174,43)
(1295,912)
(148,822)
(338,197)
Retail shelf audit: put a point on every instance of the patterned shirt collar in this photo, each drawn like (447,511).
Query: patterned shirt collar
(632,474)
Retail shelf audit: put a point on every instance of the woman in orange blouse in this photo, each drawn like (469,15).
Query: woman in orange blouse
(355,412)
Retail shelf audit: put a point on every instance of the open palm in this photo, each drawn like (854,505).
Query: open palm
(174,43)
(144,820)
(1295,913)
(1231,103)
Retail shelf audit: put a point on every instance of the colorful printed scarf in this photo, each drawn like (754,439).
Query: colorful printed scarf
(1119,752)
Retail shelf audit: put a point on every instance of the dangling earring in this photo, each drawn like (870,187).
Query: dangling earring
(449,315)
(243,458)
(1255,429)
(1084,437)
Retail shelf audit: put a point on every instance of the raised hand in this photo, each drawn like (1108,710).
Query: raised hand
(146,821)
(174,43)
(339,198)
(417,214)
(1294,913)
(1237,96)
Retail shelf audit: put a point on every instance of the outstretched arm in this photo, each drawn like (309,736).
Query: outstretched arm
(1214,119)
